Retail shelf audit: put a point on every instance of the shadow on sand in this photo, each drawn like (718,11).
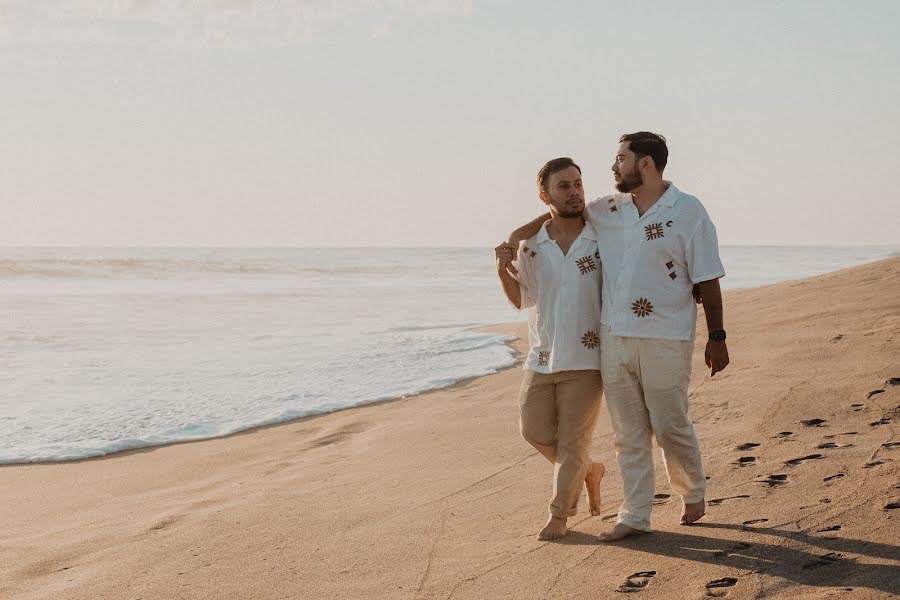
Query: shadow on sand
(834,566)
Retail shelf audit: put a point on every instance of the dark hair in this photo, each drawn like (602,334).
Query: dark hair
(551,167)
(645,143)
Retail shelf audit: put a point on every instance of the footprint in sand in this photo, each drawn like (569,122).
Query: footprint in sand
(832,446)
(796,461)
(874,463)
(728,551)
(754,522)
(891,445)
(831,437)
(660,499)
(784,434)
(609,518)
(874,393)
(881,421)
(893,381)
(636,582)
(814,422)
(745,461)
(835,476)
(831,528)
(715,588)
(892,505)
(747,446)
(719,501)
(821,561)
(856,407)
(773,480)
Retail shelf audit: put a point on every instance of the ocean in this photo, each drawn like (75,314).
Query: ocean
(103,350)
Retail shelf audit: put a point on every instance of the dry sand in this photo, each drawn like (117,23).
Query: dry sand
(437,496)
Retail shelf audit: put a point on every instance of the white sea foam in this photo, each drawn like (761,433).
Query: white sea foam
(106,350)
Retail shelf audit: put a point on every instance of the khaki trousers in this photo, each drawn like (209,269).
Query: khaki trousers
(557,414)
(646,385)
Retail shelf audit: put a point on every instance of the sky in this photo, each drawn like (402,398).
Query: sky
(402,123)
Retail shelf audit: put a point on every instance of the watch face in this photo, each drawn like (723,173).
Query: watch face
(717,336)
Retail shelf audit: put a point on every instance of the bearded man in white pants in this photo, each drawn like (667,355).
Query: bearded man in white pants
(657,245)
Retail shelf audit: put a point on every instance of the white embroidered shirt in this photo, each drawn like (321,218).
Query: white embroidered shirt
(652,261)
(562,293)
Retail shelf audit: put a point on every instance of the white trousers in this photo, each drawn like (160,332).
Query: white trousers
(646,385)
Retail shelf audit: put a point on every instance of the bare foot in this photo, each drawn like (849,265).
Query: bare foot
(554,529)
(692,512)
(592,482)
(618,532)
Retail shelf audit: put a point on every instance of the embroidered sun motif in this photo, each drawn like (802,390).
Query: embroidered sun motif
(654,231)
(586,264)
(544,358)
(642,307)
(590,340)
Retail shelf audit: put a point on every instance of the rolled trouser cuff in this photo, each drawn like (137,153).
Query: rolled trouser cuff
(635,524)
(693,497)
(561,513)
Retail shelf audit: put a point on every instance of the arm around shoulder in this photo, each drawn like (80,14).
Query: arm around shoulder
(528,230)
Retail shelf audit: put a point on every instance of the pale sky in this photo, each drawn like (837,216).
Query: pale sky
(401,123)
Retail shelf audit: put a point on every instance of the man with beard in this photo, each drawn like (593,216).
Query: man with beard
(558,279)
(656,245)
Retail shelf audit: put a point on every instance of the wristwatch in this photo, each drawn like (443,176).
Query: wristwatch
(717,336)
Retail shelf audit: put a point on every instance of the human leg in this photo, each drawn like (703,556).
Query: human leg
(578,396)
(620,367)
(537,413)
(665,373)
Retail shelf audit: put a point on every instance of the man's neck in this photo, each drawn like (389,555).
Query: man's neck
(646,196)
(567,228)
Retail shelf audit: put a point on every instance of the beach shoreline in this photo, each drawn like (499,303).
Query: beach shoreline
(436,494)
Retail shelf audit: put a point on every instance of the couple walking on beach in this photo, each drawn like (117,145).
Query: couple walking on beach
(612,288)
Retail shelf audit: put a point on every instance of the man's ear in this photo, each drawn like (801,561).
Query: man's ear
(647,162)
(545,198)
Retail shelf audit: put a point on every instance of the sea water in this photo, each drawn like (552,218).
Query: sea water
(103,350)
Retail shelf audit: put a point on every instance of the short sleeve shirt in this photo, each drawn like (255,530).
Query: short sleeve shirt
(652,261)
(562,293)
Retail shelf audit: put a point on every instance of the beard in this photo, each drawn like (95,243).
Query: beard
(570,214)
(629,181)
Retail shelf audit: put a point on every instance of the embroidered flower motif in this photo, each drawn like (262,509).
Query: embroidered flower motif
(590,340)
(586,264)
(544,358)
(654,231)
(642,307)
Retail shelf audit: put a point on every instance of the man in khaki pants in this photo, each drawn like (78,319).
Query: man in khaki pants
(657,245)
(558,279)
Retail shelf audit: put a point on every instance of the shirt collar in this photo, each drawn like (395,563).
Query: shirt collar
(588,232)
(669,197)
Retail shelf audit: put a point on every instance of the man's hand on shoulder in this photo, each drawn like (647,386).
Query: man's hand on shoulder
(506,254)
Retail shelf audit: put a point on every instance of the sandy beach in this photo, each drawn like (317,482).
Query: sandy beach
(437,496)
